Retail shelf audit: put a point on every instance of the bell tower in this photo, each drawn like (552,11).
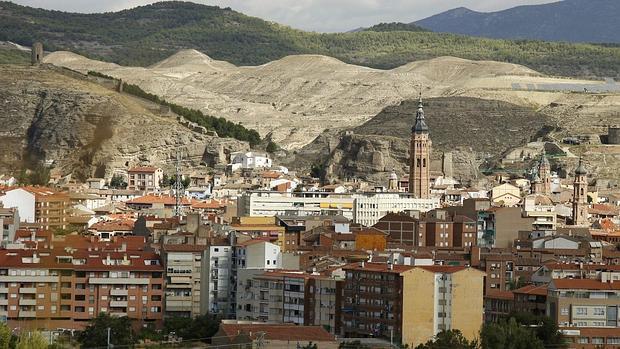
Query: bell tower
(544,173)
(580,195)
(420,151)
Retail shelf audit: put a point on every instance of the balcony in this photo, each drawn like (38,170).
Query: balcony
(4,290)
(29,290)
(118,304)
(119,314)
(118,292)
(4,301)
(27,302)
(27,314)
(117,281)
(37,279)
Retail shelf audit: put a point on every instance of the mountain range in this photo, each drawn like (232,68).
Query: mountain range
(145,35)
(596,21)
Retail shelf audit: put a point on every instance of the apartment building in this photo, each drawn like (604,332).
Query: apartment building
(43,206)
(584,303)
(370,207)
(279,296)
(66,288)
(218,280)
(250,258)
(184,288)
(411,303)
(9,224)
(144,178)
(362,208)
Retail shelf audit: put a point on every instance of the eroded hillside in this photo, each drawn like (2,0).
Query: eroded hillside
(87,129)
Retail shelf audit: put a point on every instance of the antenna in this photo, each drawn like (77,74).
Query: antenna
(178,185)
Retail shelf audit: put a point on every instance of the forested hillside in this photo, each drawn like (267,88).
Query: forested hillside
(147,34)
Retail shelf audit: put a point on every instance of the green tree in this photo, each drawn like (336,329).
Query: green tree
(452,339)
(5,336)
(118,182)
(31,340)
(272,147)
(201,327)
(96,334)
(509,335)
(353,345)
(310,346)
(40,175)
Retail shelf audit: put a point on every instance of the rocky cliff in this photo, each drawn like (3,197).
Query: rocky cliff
(474,132)
(82,128)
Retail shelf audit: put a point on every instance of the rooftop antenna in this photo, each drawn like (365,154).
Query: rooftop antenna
(178,185)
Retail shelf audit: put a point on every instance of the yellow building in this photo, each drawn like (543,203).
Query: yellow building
(437,298)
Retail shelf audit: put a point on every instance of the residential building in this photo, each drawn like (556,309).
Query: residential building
(505,195)
(280,296)
(584,303)
(362,208)
(233,334)
(66,288)
(184,286)
(45,207)
(249,160)
(9,224)
(370,207)
(218,280)
(144,178)
(412,304)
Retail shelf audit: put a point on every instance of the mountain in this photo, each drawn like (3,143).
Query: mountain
(595,21)
(394,27)
(145,35)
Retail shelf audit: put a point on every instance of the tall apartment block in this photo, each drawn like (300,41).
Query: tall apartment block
(411,304)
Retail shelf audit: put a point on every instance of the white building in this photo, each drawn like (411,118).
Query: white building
(23,200)
(251,258)
(249,160)
(217,278)
(8,181)
(269,204)
(363,208)
(184,275)
(370,207)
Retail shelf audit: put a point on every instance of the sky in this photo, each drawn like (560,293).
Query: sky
(313,15)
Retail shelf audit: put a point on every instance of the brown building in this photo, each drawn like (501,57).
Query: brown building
(144,178)
(412,304)
(402,228)
(531,299)
(234,335)
(420,152)
(65,288)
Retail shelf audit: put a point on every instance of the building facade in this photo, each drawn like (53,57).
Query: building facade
(144,178)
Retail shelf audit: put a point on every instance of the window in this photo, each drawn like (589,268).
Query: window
(599,311)
(598,340)
(582,311)
(564,311)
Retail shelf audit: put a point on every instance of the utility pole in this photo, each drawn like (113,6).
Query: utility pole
(109,345)
(178,186)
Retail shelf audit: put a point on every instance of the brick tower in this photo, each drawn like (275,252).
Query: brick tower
(580,196)
(544,173)
(420,152)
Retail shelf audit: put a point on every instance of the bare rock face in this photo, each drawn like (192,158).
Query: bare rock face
(88,130)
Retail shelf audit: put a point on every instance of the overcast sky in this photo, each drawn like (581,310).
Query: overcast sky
(316,15)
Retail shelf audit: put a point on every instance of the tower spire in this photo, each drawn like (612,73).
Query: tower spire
(420,125)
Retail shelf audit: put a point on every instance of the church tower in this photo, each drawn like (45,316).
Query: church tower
(544,173)
(580,196)
(420,151)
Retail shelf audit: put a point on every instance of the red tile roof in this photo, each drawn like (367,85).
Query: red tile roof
(583,284)
(277,332)
(159,199)
(145,169)
(442,268)
(540,290)
(378,267)
(496,294)
(184,248)
(120,225)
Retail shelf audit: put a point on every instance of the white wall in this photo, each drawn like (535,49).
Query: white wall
(23,200)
